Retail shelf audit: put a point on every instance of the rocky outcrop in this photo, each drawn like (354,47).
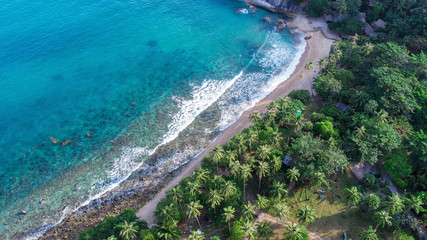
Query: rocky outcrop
(284,6)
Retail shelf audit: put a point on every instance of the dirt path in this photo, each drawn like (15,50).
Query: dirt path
(317,47)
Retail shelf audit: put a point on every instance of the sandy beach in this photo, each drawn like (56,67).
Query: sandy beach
(317,47)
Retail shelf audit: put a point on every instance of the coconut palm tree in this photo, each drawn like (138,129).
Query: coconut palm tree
(308,66)
(306,215)
(214,199)
(255,118)
(276,139)
(112,237)
(177,195)
(215,238)
(168,232)
(321,62)
(263,169)
(128,230)
(249,230)
(193,211)
(146,234)
(295,232)
(383,218)
(318,180)
(276,163)
(278,189)
(234,168)
(193,188)
(218,181)
(245,174)
(167,211)
(265,230)
(218,154)
(368,234)
(281,210)
(229,189)
(262,202)
(415,203)
(229,214)
(394,204)
(252,139)
(353,197)
(249,211)
(230,156)
(241,142)
(202,175)
(264,152)
(195,235)
(293,174)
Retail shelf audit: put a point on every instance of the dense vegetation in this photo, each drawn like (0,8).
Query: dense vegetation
(373,109)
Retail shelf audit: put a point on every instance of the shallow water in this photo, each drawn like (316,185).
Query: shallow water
(117,79)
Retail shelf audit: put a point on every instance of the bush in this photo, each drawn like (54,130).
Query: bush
(307,127)
(317,8)
(400,235)
(325,130)
(398,166)
(108,227)
(300,94)
(236,231)
(369,181)
(346,27)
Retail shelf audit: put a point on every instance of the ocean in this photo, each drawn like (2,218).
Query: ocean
(90,89)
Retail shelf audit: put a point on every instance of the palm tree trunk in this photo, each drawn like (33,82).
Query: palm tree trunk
(244,192)
(229,226)
(199,224)
(377,226)
(214,210)
(346,208)
(217,167)
(259,185)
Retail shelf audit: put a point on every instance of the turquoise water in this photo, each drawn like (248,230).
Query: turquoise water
(116,79)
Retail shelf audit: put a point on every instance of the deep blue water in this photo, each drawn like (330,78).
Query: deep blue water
(116,78)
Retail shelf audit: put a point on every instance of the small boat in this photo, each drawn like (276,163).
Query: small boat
(242,11)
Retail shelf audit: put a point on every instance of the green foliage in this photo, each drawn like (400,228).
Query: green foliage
(346,27)
(397,165)
(109,226)
(317,8)
(400,235)
(325,130)
(346,78)
(300,94)
(236,231)
(370,181)
(327,86)
(376,13)
(371,202)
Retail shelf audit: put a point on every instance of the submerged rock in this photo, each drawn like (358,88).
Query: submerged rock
(280,21)
(266,19)
(281,27)
(66,143)
(276,5)
(54,141)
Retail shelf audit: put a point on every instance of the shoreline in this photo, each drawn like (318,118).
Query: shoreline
(133,194)
(316,48)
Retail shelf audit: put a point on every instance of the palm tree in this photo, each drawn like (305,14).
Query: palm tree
(195,235)
(264,152)
(168,232)
(318,179)
(394,204)
(229,189)
(263,170)
(262,202)
(230,156)
(202,175)
(245,174)
(255,118)
(276,139)
(293,174)
(306,215)
(249,211)
(265,230)
(252,138)
(193,188)
(278,189)
(112,237)
(353,196)
(167,212)
(249,229)
(295,232)
(128,230)
(215,238)
(234,168)
(321,62)
(415,203)
(218,154)
(146,234)
(229,214)
(276,163)
(383,218)
(368,234)
(218,181)
(281,210)
(177,195)
(214,199)
(193,211)
(241,148)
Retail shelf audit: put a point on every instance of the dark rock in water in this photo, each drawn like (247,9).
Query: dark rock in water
(280,27)
(280,21)
(276,5)
(152,43)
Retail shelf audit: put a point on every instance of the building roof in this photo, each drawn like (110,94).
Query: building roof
(362,17)
(287,160)
(342,107)
(368,29)
(379,23)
